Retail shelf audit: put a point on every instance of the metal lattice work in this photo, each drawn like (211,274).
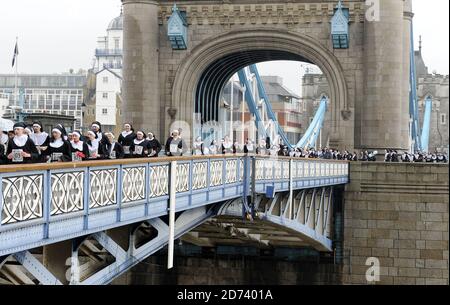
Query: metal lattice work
(133,185)
(183,177)
(103,186)
(241,170)
(159,181)
(273,170)
(259,169)
(67,192)
(231,176)
(285,169)
(22,198)
(308,212)
(306,172)
(200,172)
(216,172)
(300,168)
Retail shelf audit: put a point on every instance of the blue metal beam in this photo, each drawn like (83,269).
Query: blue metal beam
(315,126)
(316,132)
(270,113)
(413,104)
(425,136)
(251,103)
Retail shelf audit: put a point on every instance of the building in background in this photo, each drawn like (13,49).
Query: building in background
(314,87)
(103,99)
(4,103)
(49,121)
(436,86)
(285,104)
(50,94)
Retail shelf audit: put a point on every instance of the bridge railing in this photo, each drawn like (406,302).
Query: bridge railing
(43,203)
(306,173)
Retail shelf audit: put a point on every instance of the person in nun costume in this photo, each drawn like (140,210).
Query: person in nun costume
(249,147)
(59,150)
(141,147)
(155,146)
(227,146)
(3,142)
(80,149)
(3,159)
(262,148)
(4,137)
(96,128)
(40,138)
(175,146)
(64,131)
(197,149)
(126,139)
(213,148)
(96,150)
(21,149)
(114,150)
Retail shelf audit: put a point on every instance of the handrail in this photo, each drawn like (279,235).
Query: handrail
(100,163)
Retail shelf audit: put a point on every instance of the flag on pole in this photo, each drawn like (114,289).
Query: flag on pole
(16,53)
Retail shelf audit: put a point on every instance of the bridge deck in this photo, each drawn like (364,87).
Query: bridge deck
(46,203)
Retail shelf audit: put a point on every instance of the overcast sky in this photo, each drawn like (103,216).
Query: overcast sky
(56,35)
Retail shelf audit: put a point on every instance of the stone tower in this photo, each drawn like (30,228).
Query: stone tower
(368,82)
(141,62)
(383,108)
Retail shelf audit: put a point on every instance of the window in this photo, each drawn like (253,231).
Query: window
(105,80)
(443,118)
(117,43)
(105,95)
(104,111)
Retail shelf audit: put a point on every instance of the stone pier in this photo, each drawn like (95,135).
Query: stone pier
(397,213)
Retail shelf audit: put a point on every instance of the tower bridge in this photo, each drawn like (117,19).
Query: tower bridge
(90,222)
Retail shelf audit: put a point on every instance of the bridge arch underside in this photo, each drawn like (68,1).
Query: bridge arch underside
(215,77)
(206,69)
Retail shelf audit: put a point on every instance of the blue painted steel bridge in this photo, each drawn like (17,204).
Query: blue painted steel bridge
(89,222)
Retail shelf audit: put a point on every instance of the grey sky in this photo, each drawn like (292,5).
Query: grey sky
(56,35)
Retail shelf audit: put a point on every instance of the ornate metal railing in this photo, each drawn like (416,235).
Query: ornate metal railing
(51,202)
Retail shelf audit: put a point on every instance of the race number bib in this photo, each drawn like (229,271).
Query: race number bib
(17,155)
(173,148)
(56,156)
(76,158)
(126,150)
(138,150)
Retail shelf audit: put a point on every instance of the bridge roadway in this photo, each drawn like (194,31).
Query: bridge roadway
(88,222)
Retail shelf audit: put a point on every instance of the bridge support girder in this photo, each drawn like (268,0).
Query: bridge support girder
(95,259)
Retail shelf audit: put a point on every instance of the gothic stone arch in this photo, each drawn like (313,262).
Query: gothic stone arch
(195,62)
